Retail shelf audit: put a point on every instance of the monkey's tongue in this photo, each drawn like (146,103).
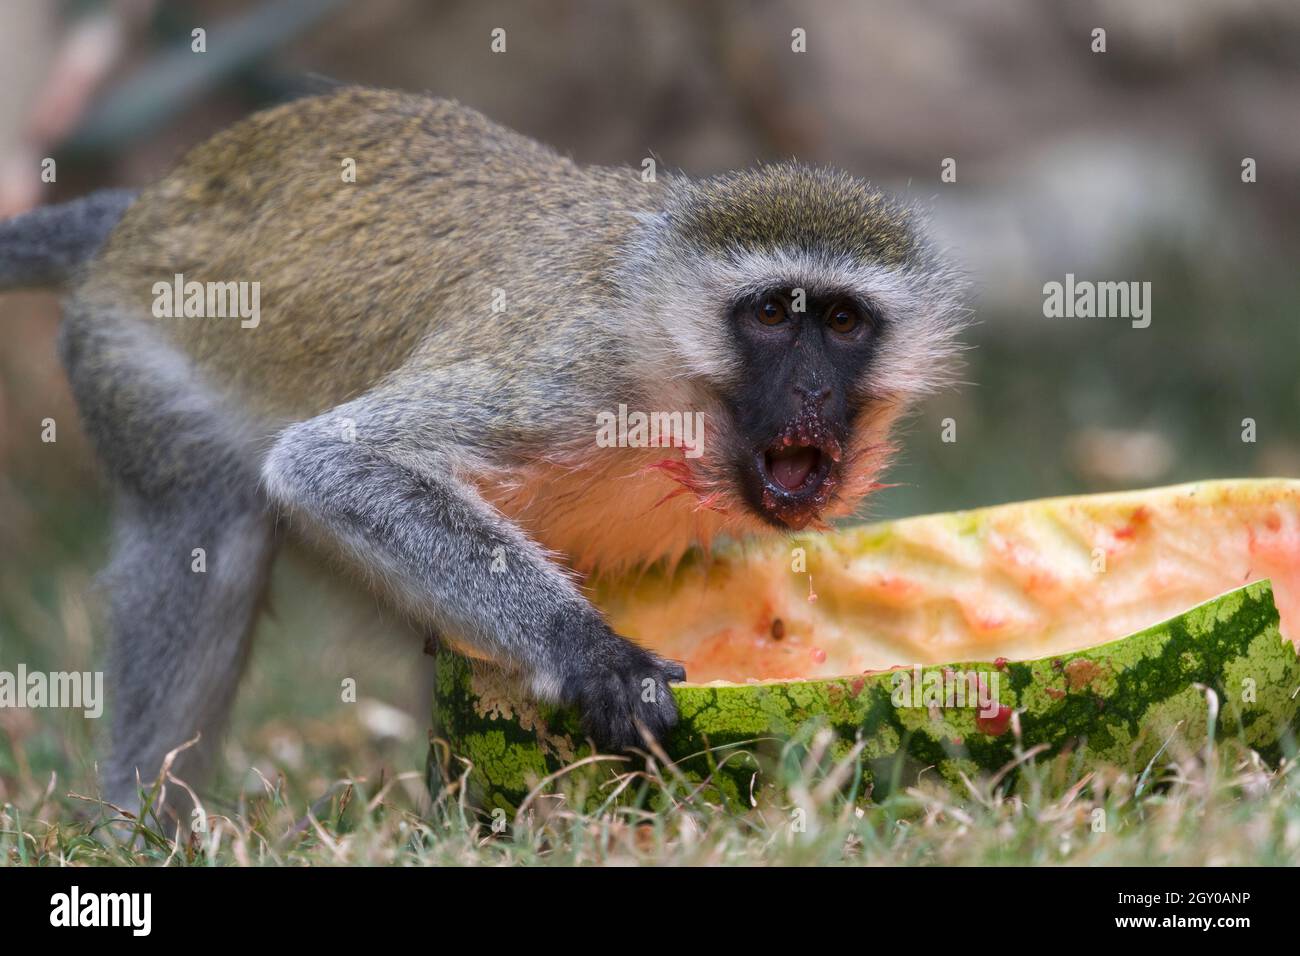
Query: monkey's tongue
(790,467)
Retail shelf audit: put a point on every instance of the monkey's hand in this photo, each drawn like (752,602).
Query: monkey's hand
(621,691)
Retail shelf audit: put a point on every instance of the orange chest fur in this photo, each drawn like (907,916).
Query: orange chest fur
(608,511)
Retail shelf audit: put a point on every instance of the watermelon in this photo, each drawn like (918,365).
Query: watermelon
(1110,627)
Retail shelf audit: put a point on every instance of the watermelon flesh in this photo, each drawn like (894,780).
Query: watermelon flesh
(1017,581)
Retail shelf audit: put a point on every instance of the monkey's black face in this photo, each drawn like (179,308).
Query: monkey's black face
(802,356)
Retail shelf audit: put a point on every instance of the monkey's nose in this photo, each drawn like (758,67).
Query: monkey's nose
(813,394)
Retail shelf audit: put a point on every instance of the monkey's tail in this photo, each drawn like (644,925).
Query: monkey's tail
(44,247)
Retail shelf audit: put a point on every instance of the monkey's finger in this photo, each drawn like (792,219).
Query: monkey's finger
(674,672)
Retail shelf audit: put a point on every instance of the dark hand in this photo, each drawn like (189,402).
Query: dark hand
(620,688)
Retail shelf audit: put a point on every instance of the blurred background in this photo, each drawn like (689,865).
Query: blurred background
(1124,165)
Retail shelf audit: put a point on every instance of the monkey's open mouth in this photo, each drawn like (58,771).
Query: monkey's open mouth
(797,480)
(791,468)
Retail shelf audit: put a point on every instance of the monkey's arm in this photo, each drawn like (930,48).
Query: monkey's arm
(371,475)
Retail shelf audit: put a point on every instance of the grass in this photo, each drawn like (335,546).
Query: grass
(1223,806)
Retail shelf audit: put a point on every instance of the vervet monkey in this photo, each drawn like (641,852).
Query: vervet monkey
(445,307)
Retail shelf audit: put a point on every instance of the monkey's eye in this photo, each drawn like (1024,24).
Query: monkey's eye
(843,318)
(770,311)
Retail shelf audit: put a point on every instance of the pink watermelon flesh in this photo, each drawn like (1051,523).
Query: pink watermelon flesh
(1017,581)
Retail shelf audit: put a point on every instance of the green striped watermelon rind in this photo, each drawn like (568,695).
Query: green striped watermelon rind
(1117,703)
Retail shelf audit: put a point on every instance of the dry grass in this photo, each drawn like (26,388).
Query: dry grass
(1221,807)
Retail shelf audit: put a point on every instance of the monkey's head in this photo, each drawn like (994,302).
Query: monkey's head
(802,310)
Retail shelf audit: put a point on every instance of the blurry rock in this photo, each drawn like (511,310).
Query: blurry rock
(384,722)
(1279,458)
(1121,457)
(286,749)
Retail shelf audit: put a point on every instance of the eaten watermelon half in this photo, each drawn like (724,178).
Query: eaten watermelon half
(1097,625)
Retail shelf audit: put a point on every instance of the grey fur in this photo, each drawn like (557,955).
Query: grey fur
(181,637)
(180,467)
(47,246)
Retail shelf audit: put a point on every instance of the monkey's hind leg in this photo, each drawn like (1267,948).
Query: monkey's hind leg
(185,582)
(191,553)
